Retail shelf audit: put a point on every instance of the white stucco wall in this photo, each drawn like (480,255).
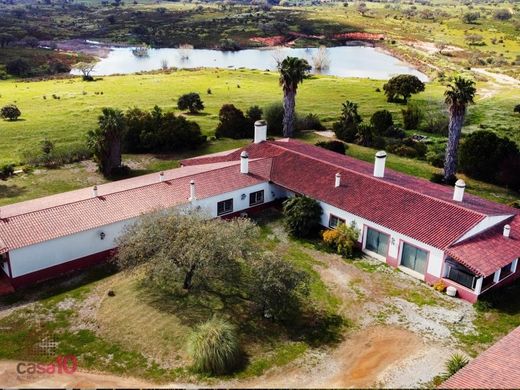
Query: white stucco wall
(61,250)
(436,256)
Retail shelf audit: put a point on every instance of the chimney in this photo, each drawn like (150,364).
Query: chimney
(161,176)
(192,191)
(337,182)
(379,164)
(244,162)
(458,193)
(507,231)
(260,131)
(94,192)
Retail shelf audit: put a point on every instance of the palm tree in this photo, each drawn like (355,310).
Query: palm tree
(292,72)
(105,141)
(458,95)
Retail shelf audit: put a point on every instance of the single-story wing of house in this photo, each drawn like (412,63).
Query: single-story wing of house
(427,230)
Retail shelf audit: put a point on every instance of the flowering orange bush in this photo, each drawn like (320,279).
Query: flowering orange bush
(343,238)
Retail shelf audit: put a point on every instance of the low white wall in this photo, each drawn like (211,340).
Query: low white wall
(436,256)
(61,250)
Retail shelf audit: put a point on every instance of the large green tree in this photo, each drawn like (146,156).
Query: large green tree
(292,72)
(458,95)
(105,141)
(400,88)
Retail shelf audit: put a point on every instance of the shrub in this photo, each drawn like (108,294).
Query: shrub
(517,108)
(214,347)
(309,122)
(381,121)
(454,364)
(19,67)
(335,146)
(273,114)
(436,158)
(10,112)
(302,216)
(277,287)
(347,127)
(439,285)
(253,114)
(190,101)
(515,204)
(503,14)
(342,238)
(155,131)
(436,123)
(412,116)
(51,157)
(439,179)
(365,135)
(6,171)
(408,148)
(233,123)
(483,154)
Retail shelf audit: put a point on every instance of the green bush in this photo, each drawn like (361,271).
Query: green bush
(10,112)
(6,171)
(454,364)
(191,102)
(412,116)
(214,347)
(50,156)
(335,146)
(302,216)
(233,123)
(309,122)
(381,121)
(346,128)
(400,88)
(273,114)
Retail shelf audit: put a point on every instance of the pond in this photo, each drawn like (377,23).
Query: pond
(344,61)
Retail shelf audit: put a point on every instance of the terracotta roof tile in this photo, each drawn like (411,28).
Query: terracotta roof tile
(495,368)
(80,214)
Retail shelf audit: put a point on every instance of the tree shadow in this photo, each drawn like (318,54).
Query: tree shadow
(11,191)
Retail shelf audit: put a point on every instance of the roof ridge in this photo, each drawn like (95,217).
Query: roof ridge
(380,180)
(118,192)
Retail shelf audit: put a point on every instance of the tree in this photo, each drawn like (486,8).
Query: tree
(214,347)
(188,251)
(302,215)
(277,286)
(190,101)
(6,39)
(86,69)
(233,123)
(458,95)
(403,85)
(412,116)
(470,17)
(274,115)
(321,60)
(10,112)
(19,67)
(253,114)
(347,126)
(105,141)
(292,72)
(503,14)
(381,121)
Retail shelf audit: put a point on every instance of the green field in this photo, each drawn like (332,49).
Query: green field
(66,117)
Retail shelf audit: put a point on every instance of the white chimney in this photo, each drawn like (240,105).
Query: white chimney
(161,176)
(192,191)
(260,131)
(507,231)
(458,193)
(94,192)
(379,164)
(337,182)
(244,162)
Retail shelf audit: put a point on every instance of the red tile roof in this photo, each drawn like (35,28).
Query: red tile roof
(495,368)
(489,251)
(44,219)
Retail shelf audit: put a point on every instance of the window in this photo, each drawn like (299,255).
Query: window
(414,258)
(335,221)
(377,242)
(225,207)
(463,276)
(505,271)
(256,198)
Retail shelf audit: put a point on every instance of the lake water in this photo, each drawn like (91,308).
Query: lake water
(345,61)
